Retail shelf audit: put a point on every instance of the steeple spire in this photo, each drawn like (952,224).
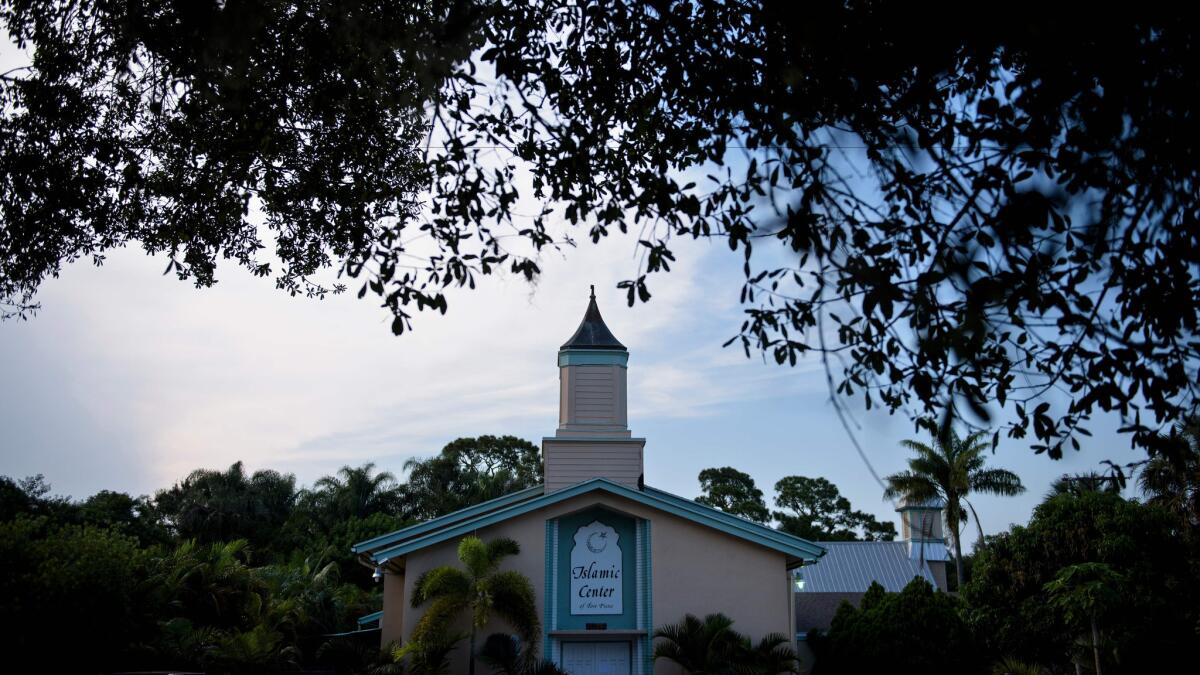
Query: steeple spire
(592,332)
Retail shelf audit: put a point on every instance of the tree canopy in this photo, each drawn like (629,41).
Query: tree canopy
(914,631)
(998,213)
(1147,619)
(469,471)
(733,491)
(227,571)
(817,511)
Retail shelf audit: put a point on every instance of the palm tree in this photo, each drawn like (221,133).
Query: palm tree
(210,585)
(772,655)
(357,492)
(482,589)
(1171,477)
(1092,481)
(507,656)
(951,469)
(700,646)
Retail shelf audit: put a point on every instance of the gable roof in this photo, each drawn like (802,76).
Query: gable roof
(460,523)
(851,566)
(442,521)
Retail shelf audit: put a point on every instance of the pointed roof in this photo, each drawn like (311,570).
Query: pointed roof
(400,543)
(592,333)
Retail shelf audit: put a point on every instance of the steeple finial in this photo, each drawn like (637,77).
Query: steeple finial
(593,291)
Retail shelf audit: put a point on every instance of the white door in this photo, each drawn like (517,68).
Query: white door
(596,658)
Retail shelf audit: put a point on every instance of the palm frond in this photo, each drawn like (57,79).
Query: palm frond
(514,600)
(997,481)
(440,582)
(474,554)
(500,548)
(434,625)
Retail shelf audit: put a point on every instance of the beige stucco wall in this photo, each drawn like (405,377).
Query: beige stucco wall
(394,601)
(695,570)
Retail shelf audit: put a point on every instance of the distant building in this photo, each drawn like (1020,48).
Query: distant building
(848,568)
(610,557)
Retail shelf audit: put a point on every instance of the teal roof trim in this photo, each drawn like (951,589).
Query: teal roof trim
(440,521)
(815,550)
(759,534)
(370,618)
(593,357)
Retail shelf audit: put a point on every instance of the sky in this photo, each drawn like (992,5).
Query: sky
(128,380)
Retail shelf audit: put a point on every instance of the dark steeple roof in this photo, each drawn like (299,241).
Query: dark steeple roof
(592,333)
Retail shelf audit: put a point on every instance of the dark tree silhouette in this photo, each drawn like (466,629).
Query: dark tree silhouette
(214,506)
(355,492)
(468,471)
(816,510)
(733,491)
(956,218)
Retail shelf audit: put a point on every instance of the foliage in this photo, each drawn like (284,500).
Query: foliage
(310,532)
(167,125)
(171,587)
(355,492)
(136,516)
(469,471)
(505,654)
(482,590)
(359,657)
(1171,478)
(950,470)
(771,655)
(1084,593)
(214,506)
(952,219)
(700,646)
(1011,666)
(916,630)
(710,646)
(818,512)
(959,207)
(151,601)
(31,495)
(1092,481)
(1154,616)
(85,574)
(734,492)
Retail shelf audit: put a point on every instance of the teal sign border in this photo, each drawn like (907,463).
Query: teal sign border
(626,530)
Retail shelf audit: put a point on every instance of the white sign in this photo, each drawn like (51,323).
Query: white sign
(596,574)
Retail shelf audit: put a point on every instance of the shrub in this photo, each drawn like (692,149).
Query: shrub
(917,629)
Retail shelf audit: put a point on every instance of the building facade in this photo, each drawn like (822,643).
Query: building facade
(610,557)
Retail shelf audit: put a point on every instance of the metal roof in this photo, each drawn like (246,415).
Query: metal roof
(851,566)
(373,617)
(592,333)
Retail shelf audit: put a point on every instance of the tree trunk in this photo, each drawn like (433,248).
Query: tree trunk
(1095,644)
(958,566)
(471,654)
